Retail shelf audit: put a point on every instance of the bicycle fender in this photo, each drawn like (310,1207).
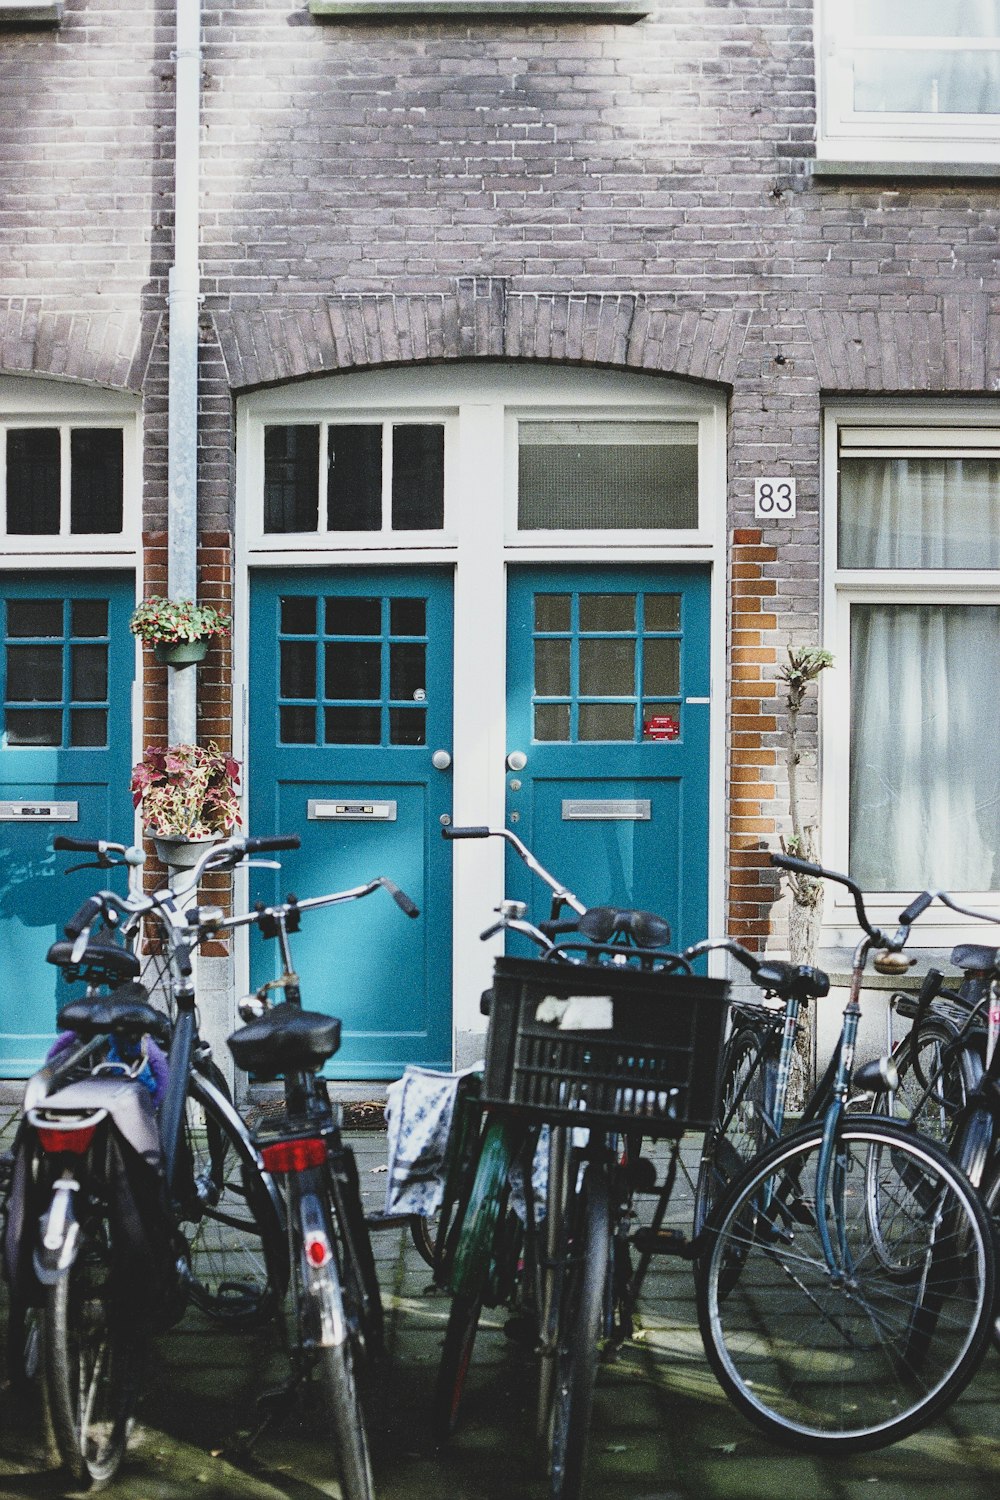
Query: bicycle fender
(324,1325)
(58,1234)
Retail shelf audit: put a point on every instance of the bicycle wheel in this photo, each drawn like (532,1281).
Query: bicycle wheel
(449,1387)
(991,1198)
(92,1361)
(746,1098)
(362,1295)
(340,1388)
(937,1073)
(582,1302)
(230,1213)
(820,1340)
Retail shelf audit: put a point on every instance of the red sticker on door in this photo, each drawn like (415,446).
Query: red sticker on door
(661,727)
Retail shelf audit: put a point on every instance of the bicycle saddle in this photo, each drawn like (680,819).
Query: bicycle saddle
(792,979)
(973,956)
(100,963)
(285,1040)
(645,928)
(125,1012)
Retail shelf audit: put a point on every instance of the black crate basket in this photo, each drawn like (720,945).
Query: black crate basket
(656,1068)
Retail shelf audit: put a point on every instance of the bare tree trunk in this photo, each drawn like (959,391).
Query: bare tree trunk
(803,942)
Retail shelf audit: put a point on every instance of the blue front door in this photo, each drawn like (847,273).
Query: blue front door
(350,696)
(65,759)
(607,688)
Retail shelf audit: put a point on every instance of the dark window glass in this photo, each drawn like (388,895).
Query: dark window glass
(353,726)
(34,674)
(298,725)
(607,721)
(552,663)
(353,670)
(89,674)
(298,669)
(408,616)
(552,611)
(89,617)
(662,667)
(552,721)
(88,728)
(33,482)
(298,615)
(354,478)
(354,617)
(96,480)
(407,671)
(291,478)
(35,617)
(32,726)
(407,726)
(418,477)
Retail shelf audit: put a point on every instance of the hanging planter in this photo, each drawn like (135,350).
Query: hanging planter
(178,852)
(188,798)
(180,653)
(180,631)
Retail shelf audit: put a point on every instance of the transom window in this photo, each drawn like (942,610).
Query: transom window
(607,476)
(62,481)
(55,690)
(353,477)
(910,79)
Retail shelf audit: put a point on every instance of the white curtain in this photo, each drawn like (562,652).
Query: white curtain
(920,513)
(925,746)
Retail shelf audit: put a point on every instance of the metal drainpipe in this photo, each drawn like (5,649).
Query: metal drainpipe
(183,297)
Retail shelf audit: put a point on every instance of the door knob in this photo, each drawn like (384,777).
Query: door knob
(440,760)
(516,760)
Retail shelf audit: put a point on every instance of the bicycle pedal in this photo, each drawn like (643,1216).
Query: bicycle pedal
(663,1242)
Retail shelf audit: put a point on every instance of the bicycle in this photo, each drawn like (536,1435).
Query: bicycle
(336,1327)
(109,1190)
(845,1286)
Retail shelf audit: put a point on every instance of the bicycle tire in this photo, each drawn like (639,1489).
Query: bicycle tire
(582,1306)
(91,1361)
(230,1212)
(453,1369)
(937,1074)
(746,1094)
(990,1194)
(850,1357)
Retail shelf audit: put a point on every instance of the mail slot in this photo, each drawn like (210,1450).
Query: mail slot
(360,811)
(39,812)
(607,809)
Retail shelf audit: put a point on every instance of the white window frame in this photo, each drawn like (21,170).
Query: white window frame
(846,134)
(921,428)
(48,404)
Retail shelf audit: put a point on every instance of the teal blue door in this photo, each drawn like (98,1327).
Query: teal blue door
(350,696)
(607,689)
(65,760)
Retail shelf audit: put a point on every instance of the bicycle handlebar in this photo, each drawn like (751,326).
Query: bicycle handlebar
(561,893)
(466,833)
(819,872)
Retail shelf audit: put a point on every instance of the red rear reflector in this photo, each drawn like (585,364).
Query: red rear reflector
(75,1141)
(294,1156)
(317,1249)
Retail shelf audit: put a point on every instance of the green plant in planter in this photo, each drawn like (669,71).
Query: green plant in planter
(187,791)
(174,622)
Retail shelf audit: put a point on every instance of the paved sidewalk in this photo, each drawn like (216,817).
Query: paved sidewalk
(662,1428)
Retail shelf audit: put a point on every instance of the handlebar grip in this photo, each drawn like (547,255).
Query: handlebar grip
(83,918)
(465,833)
(76,846)
(282,841)
(401,899)
(798,866)
(917,905)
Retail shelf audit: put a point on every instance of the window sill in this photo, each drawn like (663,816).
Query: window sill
(501,11)
(928,171)
(22,13)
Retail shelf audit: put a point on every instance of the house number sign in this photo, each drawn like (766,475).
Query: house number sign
(774,499)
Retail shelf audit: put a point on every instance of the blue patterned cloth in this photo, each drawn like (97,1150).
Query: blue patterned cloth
(419,1111)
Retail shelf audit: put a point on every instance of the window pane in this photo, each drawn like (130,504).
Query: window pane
(354,617)
(298,615)
(298,669)
(607,475)
(418,477)
(661,666)
(927,83)
(88,728)
(928,18)
(89,674)
(34,674)
(354,479)
(407,670)
(353,670)
(35,617)
(89,617)
(407,726)
(96,480)
(663,611)
(297,725)
(608,668)
(607,611)
(552,721)
(408,616)
(552,669)
(925,719)
(33,726)
(919,513)
(552,611)
(607,721)
(661,721)
(291,478)
(33,481)
(353,726)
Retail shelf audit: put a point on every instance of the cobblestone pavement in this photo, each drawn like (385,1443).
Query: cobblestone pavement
(662,1428)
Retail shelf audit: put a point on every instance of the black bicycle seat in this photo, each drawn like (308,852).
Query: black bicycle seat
(125,1012)
(100,963)
(285,1040)
(792,979)
(645,928)
(973,956)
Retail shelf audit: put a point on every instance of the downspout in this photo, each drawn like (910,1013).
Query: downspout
(183,297)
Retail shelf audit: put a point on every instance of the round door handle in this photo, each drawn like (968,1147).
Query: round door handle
(516,760)
(440,760)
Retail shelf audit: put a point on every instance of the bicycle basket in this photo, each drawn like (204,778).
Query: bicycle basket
(600,1045)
